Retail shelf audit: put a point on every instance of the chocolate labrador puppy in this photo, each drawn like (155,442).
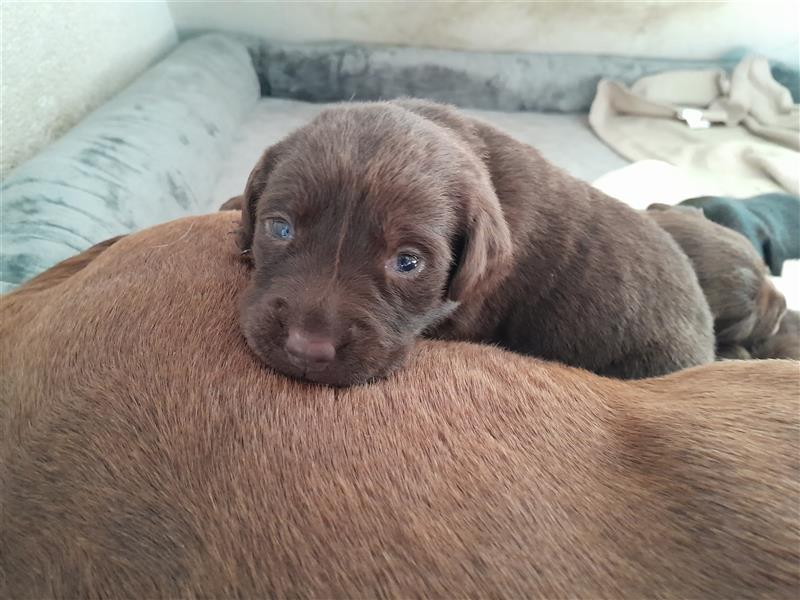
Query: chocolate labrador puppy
(746,306)
(378,222)
(770,221)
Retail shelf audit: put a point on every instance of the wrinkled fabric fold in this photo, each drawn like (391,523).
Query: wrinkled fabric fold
(739,134)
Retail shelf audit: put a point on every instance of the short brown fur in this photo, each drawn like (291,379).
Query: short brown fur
(786,341)
(746,306)
(146,453)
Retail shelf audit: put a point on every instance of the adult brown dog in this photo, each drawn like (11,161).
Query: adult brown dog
(146,453)
(746,306)
(381,221)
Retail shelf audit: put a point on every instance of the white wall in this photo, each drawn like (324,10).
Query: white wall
(666,29)
(61,60)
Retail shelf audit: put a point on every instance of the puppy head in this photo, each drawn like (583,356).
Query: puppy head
(751,306)
(745,304)
(733,214)
(755,309)
(365,227)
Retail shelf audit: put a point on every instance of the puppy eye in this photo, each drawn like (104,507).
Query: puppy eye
(406,262)
(279,229)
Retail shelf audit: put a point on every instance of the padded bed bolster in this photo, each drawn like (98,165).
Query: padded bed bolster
(148,155)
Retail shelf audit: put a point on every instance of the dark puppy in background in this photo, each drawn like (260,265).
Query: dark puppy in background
(770,221)
(378,222)
(746,306)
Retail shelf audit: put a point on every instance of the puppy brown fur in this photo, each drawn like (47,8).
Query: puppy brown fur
(234,203)
(512,251)
(746,306)
(733,352)
(786,341)
(147,454)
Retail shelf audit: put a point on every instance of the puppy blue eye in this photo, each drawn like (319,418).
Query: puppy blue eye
(279,229)
(405,263)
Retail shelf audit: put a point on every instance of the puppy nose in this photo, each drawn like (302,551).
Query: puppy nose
(308,347)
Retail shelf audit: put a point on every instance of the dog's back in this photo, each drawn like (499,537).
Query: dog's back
(147,454)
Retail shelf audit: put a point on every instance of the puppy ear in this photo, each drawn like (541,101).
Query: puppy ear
(659,206)
(253,190)
(234,203)
(483,252)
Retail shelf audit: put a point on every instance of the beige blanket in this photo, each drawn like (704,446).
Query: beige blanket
(736,135)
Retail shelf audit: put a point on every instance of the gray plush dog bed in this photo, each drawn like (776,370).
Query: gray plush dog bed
(183,137)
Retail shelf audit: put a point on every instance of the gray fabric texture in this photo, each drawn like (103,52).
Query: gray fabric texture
(566,139)
(183,137)
(488,80)
(148,155)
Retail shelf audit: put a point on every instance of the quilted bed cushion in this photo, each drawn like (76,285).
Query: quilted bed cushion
(147,156)
(181,140)
(564,139)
